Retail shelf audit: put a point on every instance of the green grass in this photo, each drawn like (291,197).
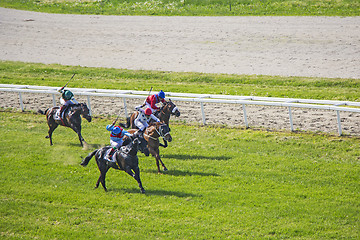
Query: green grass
(255,85)
(221,184)
(193,7)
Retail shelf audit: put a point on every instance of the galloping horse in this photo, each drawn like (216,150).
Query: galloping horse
(152,135)
(72,119)
(169,108)
(126,160)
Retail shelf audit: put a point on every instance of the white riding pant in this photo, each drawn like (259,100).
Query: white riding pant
(69,102)
(141,125)
(116,144)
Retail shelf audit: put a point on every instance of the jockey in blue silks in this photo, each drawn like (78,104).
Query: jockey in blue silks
(116,138)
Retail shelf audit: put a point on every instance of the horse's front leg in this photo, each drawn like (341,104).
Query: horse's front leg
(156,154)
(136,176)
(164,145)
(77,129)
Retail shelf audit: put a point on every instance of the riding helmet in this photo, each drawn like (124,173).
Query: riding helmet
(67,95)
(116,130)
(161,94)
(148,111)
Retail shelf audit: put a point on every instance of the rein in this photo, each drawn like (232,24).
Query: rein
(172,112)
(160,135)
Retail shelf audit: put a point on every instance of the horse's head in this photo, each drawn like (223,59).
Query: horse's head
(164,131)
(142,143)
(172,108)
(85,112)
(131,148)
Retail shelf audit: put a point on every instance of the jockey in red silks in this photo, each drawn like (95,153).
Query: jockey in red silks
(116,138)
(152,100)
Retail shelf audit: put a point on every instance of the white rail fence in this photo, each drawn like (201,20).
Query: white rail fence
(338,106)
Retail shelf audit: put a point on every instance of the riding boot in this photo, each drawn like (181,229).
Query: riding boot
(110,154)
(141,132)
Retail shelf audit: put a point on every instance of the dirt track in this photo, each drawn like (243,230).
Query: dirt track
(287,46)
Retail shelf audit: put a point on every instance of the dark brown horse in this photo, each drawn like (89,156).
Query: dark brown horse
(152,135)
(71,119)
(169,108)
(126,160)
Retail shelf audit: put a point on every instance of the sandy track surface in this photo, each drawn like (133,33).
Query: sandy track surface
(286,46)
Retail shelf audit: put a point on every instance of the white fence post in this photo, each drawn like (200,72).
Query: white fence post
(203,113)
(21,102)
(89,104)
(54,100)
(125,108)
(339,122)
(291,120)
(245,116)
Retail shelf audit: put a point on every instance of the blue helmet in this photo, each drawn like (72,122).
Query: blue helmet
(116,130)
(161,94)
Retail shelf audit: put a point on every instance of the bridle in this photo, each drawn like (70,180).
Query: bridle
(159,132)
(172,112)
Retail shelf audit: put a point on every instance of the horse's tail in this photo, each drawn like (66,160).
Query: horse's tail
(42,112)
(127,125)
(86,160)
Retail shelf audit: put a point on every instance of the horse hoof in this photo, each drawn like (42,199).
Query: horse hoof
(142,191)
(165,169)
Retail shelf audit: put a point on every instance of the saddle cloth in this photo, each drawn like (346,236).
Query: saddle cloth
(113,159)
(57,115)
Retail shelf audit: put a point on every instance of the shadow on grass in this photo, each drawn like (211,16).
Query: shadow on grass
(87,146)
(192,157)
(155,192)
(182,173)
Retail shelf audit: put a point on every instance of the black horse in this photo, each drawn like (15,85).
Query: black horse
(126,160)
(71,119)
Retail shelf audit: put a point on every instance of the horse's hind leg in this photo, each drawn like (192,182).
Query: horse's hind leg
(103,170)
(102,181)
(50,132)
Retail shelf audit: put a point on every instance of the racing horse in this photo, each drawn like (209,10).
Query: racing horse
(152,135)
(126,159)
(71,119)
(169,108)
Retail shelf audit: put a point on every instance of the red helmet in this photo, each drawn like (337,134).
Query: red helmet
(148,111)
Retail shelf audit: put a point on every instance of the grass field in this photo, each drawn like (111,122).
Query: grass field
(266,86)
(193,7)
(221,184)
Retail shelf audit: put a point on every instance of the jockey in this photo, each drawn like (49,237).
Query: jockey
(67,99)
(116,138)
(152,100)
(143,118)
